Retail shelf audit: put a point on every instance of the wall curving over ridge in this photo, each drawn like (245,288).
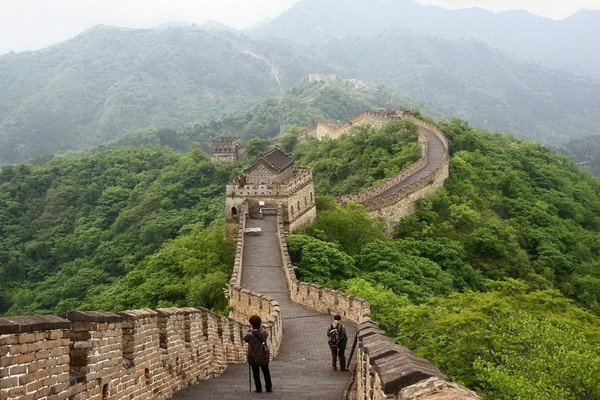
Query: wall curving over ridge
(396,197)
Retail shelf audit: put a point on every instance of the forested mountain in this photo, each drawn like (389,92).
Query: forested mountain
(572,44)
(324,99)
(107,81)
(471,81)
(110,81)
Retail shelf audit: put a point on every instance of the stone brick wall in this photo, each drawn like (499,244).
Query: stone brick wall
(322,129)
(384,369)
(393,208)
(138,354)
(367,194)
(34,357)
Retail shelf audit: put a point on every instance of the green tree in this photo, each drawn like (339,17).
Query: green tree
(255,147)
(350,227)
(319,261)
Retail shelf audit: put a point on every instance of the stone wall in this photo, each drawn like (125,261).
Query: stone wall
(368,194)
(138,354)
(384,369)
(394,207)
(333,130)
(391,208)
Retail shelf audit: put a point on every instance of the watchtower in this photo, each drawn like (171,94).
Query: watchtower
(225,149)
(271,180)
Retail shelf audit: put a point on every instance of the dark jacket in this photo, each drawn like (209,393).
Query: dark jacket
(255,339)
(342,332)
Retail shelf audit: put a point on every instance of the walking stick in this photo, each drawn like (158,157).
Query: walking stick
(352,351)
(249,380)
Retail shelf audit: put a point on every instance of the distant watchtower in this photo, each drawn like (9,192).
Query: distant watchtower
(225,149)
(271,180)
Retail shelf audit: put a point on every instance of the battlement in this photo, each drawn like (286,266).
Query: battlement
(137,354)
(300,178)
(334,130)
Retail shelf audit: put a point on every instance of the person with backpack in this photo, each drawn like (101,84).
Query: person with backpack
(258,353)
(337,339)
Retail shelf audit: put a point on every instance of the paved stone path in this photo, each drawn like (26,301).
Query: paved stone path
(302,369)
(435,154)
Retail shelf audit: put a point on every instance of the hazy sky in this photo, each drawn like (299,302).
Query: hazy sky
(34,24)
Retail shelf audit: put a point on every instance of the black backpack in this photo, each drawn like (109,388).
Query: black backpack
(333,335)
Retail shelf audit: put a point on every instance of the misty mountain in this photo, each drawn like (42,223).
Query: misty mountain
(108,81)
(572,44)
(468,80)
(323,99)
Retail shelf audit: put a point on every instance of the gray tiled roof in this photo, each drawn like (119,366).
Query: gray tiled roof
(277,159)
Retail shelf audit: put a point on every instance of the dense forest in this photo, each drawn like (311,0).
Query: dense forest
(496,278)
(70,229)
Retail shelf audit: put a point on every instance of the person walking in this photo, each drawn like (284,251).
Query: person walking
(337,339)
(258,353)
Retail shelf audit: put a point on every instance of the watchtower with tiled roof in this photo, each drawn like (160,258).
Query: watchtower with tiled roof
(271,180)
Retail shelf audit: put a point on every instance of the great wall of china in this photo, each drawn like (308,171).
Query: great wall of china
(395,198)
(142,354)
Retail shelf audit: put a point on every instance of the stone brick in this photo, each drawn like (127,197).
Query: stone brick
(436,388)
(27,338)
(10,381)
(16,392)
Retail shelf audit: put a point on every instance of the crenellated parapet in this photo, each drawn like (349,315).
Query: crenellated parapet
(384,369)
(137,354)
(368,194)
(376,119)
(266,183)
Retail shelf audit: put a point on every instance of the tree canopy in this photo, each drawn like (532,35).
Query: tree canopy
(75,224)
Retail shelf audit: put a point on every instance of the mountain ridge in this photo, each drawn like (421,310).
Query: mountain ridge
(525,35)
(97,86)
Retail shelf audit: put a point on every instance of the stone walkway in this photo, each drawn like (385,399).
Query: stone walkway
(302,369)
(435,154)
